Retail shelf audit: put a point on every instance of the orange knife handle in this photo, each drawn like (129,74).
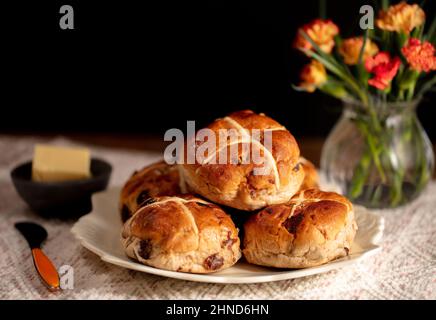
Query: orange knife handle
(46,269)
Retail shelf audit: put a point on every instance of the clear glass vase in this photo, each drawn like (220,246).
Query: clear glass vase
(378,155)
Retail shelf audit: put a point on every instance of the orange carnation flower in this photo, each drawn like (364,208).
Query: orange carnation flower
(350,50)
(420,56)
(312,76)
(322,32)
(384,68)
(401,17)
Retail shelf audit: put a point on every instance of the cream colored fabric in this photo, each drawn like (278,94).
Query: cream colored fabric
(404,269)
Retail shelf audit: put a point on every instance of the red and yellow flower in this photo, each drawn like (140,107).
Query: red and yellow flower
(384,68)
(401,17)
(321,31)
(350,50)
(420,56)
(312,76)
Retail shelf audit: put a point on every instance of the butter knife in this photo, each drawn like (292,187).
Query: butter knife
(35,235)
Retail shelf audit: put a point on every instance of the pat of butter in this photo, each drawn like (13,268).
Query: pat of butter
(52,164)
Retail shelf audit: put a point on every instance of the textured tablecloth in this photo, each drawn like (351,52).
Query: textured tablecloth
(404,269)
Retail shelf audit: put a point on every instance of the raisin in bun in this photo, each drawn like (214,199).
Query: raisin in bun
(157,179)
(182,233)
(313,228)
(236,183)
(311,179)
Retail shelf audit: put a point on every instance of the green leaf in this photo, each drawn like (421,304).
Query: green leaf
(427,86)
(363,75)
(431,33)
(402,38)
(327,63)
(318,49)
(362,50)
(417,32)
(338,40)
(334,88)
(408,79)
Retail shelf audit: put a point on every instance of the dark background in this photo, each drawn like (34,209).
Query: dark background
(140,67)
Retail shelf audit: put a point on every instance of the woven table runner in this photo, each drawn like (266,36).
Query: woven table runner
(405,268)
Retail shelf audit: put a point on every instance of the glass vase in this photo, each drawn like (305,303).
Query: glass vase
(378,155)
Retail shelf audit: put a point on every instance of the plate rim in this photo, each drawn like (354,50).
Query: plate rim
(281,275)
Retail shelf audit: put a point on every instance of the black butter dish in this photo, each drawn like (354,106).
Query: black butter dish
(66,199)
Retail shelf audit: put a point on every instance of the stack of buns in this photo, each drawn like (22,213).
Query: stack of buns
(173,221)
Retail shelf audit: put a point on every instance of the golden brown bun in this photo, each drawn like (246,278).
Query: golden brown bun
(311,179)
(236,185)
(313,228)
(182,233)
(157,179)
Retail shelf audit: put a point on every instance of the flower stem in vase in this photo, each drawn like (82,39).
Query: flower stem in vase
(423,169)
(360,175)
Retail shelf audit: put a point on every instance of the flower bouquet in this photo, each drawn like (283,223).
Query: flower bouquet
(378,153)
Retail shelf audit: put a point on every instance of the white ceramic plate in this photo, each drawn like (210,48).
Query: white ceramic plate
(100,231)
